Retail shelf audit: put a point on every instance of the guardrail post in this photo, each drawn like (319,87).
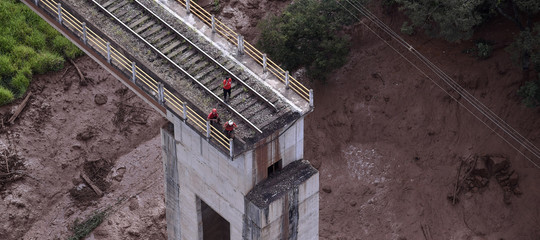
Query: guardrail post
(187,6)
(207,130)
(231,147)
(133,73)
(213,24)
(286,79)
(185,111)
(161,94)
(85,39)
(264,62)
(240,45)
(59,12)
(109,52)
(311,97)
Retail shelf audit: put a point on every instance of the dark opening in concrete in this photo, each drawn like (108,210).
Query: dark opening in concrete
(215,227)
(276,167)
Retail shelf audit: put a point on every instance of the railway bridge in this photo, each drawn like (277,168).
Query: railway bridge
(174,55)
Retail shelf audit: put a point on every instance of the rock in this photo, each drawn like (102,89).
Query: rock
(513,179)
(76,147)
(353,204)
(133,204)
(327,189)
(69,212)
(480,169)
(497,164)
(118,174)
(86,134)
(100,99)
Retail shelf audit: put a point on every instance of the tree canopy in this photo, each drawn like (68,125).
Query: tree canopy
(307,35)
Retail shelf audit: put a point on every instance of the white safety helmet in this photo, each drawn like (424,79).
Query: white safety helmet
(230,122)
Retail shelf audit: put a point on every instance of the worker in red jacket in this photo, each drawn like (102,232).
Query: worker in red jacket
(213,117)
(227,85)
(229,128)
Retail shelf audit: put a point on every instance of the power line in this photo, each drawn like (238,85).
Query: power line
(479,106)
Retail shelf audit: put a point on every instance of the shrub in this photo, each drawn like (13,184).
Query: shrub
(20,83)
(46,61)
(484,50)
(6,67)
(7,43)
(22,54)
(36,39)
(307,35)
(530,93)
(407,29)
(6,95)
(63,45)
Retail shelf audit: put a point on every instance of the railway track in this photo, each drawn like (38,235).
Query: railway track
(205,71)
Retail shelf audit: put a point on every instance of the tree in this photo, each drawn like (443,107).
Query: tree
(455,20)
(452,20)
(307,35)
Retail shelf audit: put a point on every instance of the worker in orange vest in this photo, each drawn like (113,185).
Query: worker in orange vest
(229,128)
(213,117)
(227,84)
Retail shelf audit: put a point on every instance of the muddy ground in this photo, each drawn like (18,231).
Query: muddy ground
(96,127)
(399,142)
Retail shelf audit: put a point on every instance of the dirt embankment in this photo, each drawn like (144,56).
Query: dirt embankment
(95,127)
(389,143)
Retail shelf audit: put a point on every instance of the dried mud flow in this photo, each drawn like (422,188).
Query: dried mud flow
(387,142)
(95,127)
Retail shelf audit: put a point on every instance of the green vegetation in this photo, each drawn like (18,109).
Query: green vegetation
(307,34)
(28,45)
(530,92)
(455,20)
(82,229)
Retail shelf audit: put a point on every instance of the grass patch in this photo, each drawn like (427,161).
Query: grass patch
(28,45)
(82,229)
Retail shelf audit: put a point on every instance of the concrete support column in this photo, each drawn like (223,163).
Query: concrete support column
(172,186)
(187,7)
(311,98)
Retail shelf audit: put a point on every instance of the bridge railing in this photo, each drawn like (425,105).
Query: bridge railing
(250,50)
(133,69)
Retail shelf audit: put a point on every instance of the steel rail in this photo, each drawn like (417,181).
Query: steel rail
(180,68)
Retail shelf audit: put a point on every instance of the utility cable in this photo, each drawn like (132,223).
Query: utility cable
(486,112)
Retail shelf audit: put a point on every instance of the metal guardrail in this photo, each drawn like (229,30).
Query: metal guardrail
(180,68)
(139,75)
(245,46)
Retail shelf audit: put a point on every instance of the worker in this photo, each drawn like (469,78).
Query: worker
(213,117)
(227,84)
(229,128)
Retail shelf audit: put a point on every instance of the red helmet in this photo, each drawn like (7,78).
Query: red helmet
(214,110)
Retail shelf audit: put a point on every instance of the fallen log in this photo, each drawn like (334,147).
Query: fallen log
(19,108)
(92,185)
(78,70)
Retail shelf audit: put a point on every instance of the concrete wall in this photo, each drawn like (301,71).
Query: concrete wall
(206,173)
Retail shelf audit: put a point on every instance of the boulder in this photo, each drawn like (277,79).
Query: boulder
(100,99)
(513,179)
(480,169)
(497,164)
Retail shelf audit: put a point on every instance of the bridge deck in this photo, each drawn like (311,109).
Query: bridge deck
(192,66)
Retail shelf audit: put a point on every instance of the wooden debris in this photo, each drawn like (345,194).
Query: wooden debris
(81,76)
(92,185)
(426,232)
(20,108)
